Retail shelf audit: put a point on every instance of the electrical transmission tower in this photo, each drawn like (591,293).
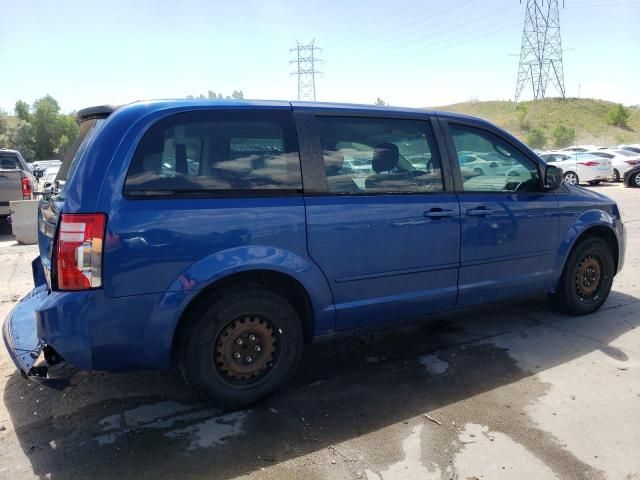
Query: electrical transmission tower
(541,52)
(306,69)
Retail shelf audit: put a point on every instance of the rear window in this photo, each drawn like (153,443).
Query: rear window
(88,129)
(9,161)
(216,152)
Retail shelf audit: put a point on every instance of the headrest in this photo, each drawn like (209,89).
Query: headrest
(181,159)
(385,157)
(333,162)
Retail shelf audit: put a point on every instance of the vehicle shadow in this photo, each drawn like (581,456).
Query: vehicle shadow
(148,425)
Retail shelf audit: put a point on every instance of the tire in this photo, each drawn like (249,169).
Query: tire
(209,345)
(614,177)
(571,178)
(634,181)
(591,262)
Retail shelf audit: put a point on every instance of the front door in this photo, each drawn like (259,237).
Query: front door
(385,231)
(509,223)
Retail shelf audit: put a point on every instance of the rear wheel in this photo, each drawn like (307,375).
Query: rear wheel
(241,346)
(571,178)
(587,277)
(614,177)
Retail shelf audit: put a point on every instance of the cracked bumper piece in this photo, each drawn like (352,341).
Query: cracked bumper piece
(20,331)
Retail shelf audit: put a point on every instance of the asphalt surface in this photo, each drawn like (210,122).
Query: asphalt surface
(519,392)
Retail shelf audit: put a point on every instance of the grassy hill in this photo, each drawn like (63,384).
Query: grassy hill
(587,117)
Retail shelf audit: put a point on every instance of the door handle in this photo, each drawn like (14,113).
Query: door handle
(479,212)
(439,213)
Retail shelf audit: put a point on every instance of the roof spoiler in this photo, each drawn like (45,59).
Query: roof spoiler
(100,111)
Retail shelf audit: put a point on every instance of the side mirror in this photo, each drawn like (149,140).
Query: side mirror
(552,177)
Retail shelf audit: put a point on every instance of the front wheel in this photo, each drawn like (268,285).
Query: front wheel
(634,181)
(241,346)
(587,277)
(571,178)
(614,177)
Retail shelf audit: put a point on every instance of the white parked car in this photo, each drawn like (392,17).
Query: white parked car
(485,164)
(635,148)
(579,167)
(49,176)
(621,161)
(579,148)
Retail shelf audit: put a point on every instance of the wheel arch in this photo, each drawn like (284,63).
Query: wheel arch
(273,280)
(601,230)
(607,234)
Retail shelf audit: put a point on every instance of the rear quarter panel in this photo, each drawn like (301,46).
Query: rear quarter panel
(170,249)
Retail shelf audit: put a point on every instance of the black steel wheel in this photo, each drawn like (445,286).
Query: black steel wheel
(587,277)
(246,349)
(240,346)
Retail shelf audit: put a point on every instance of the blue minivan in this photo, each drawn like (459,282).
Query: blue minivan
(221,236)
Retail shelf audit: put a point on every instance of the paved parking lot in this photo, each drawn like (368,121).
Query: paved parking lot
(516,393)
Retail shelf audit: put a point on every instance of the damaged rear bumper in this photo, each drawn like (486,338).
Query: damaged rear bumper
(20,333)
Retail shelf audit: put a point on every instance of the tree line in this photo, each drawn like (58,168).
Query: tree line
(211,95)
(563,135)
(39,131)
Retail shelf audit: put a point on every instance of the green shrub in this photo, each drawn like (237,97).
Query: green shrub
(536,138)
(563,136)
(618,116)
(521,112)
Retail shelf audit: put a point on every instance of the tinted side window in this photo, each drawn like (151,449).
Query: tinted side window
(374,155)
(200,152)
(489,164)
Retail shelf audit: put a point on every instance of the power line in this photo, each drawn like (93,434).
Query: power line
(462,39)
(601,4)
(390,28)
(305,59)
(443,27)
(388,23)
(541,52)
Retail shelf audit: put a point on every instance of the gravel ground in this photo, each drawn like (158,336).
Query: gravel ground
(519,392)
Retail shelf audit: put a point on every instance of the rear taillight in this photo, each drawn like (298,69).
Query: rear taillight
(79,251)
(589,164)
(26,188)
(632,162)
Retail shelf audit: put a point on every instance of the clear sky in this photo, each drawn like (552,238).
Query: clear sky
(409,52)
